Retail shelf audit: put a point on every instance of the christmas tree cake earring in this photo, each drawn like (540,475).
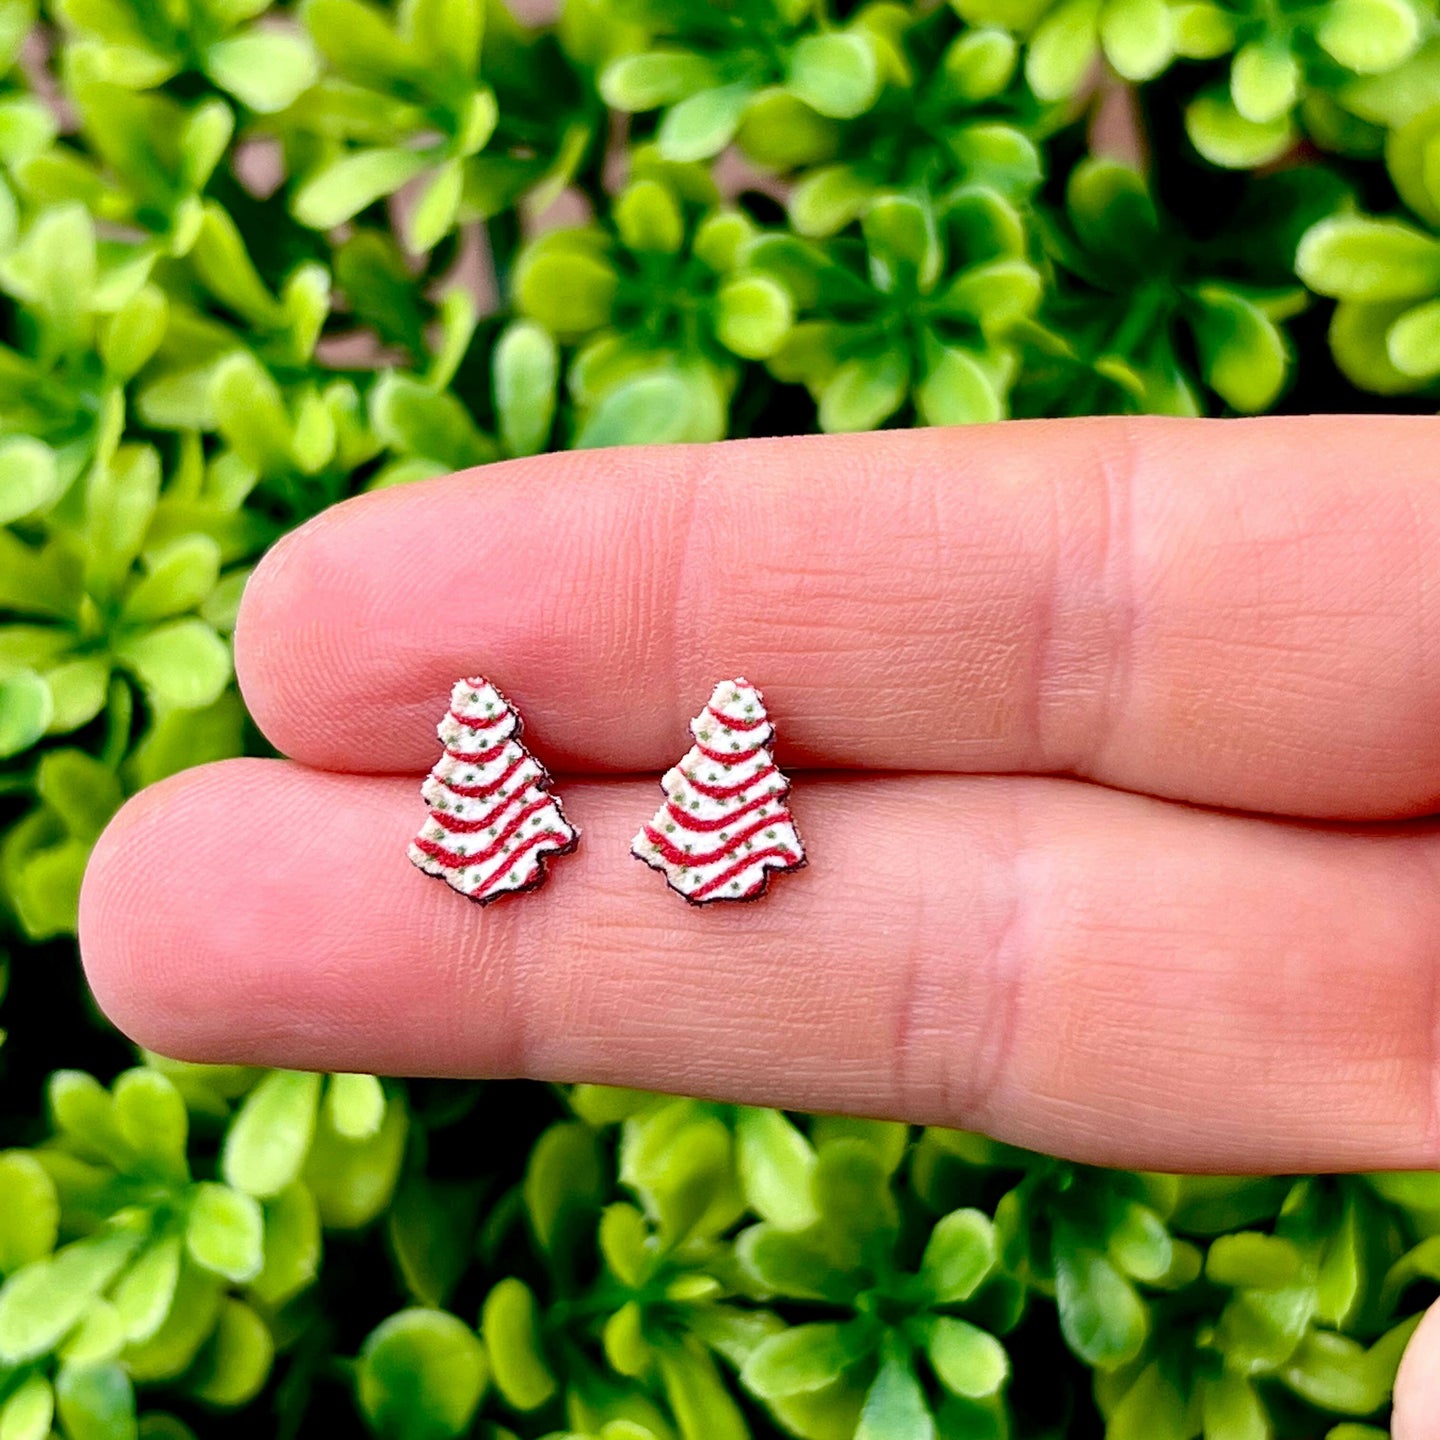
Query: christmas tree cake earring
(493,822)
(724,824)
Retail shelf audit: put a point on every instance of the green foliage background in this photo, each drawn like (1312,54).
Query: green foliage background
(239,245)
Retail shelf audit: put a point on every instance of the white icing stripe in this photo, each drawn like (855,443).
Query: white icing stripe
(508,808)
(434,790)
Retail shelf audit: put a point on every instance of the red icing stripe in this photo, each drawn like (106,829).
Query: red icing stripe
(479,792)
(688,822)
(735,756)
(733,723)
(456,826)
(453,860)
(510,860)
(473,722)
(736,869)
(728,792)
(676,856)
(477,757)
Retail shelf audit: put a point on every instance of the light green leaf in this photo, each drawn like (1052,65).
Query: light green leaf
(1369,36)
(1101,1316)
(26,709)
(1265,81)
(509,1325)
(225,1231)
(1225,137)
(292,1246)
(969,1361)
(646,410)
(355,1105)
(895,1408)
(29,477)
(353,1180)
(800,1360)
(1414,341)
(143,1297)
(233,1366)
(265,69)
(563,1179)
(1359,340)
(647,216)
(340,190)
(42,1302)
(835,73)
(864,392)
(1243,355)
(957,390)
(178,578)
(433,215)
(1138,37)
(185,663)
(270,1136)
(420,1376)
(704,124)
(776,1164)
(153,1122)
(658,77)
(29,1410)
(754,314)
(1063,48)
(1232,1410)
(960,1253)
(29,1211)
(525,369)
(96,1402)
(1353,257)
(569,293)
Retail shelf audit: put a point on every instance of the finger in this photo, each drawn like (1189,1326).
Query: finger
(1233,612)
(1087,972)
(1417,1387)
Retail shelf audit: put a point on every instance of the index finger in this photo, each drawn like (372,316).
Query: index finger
(1229,612)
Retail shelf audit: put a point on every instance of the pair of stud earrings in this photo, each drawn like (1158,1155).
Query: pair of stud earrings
(494,822)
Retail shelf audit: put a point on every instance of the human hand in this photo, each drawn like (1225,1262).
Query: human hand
(1070,635)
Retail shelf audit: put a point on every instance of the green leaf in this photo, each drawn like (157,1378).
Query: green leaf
(510,1327)
(1359,340)
(1414,341)
(647,410)
(235,1363)
(526,370)
(960,1253)
(1101,1316)
(835,74)
(1225,137)
(1138,37)
(969,1361)
(895,1408)
(563,1180)
(355,1105)
(1243,355)
(29,477)
(780,132)
(1139,1243)
(957,390)
(1369,36)
(647,217)
(26,709)
(152,1120)
(96,1402)
(178,578)
(29,1211)
(420,1376)
(292,1246)
(980,63)
(828,199)
(145,1293)
(864,392)
(1335,1373)
(800,1360)
(353,1180)
(754,314)
(635,83)
(1152,1409)
(1265,81)
(570,293)
(1412,154)
(776,1165)
(1062,49)
(270,1136)
(265,69)
(184,663)
(225,1231)
(433,215)
(42,1302)
(902,244)
(701,1404)
(28,1411)
(431,1228)
(340,190)
(1353,257)
(704,124)
(1232,1410)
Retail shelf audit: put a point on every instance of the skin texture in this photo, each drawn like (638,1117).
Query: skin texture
(1116,748)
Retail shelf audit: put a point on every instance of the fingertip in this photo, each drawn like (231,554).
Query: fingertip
(1416,1414)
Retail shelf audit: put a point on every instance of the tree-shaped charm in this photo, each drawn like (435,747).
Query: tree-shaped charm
(724,824)
(493,822)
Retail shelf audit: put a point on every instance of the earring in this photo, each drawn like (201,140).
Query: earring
(492,822)
(724,824)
